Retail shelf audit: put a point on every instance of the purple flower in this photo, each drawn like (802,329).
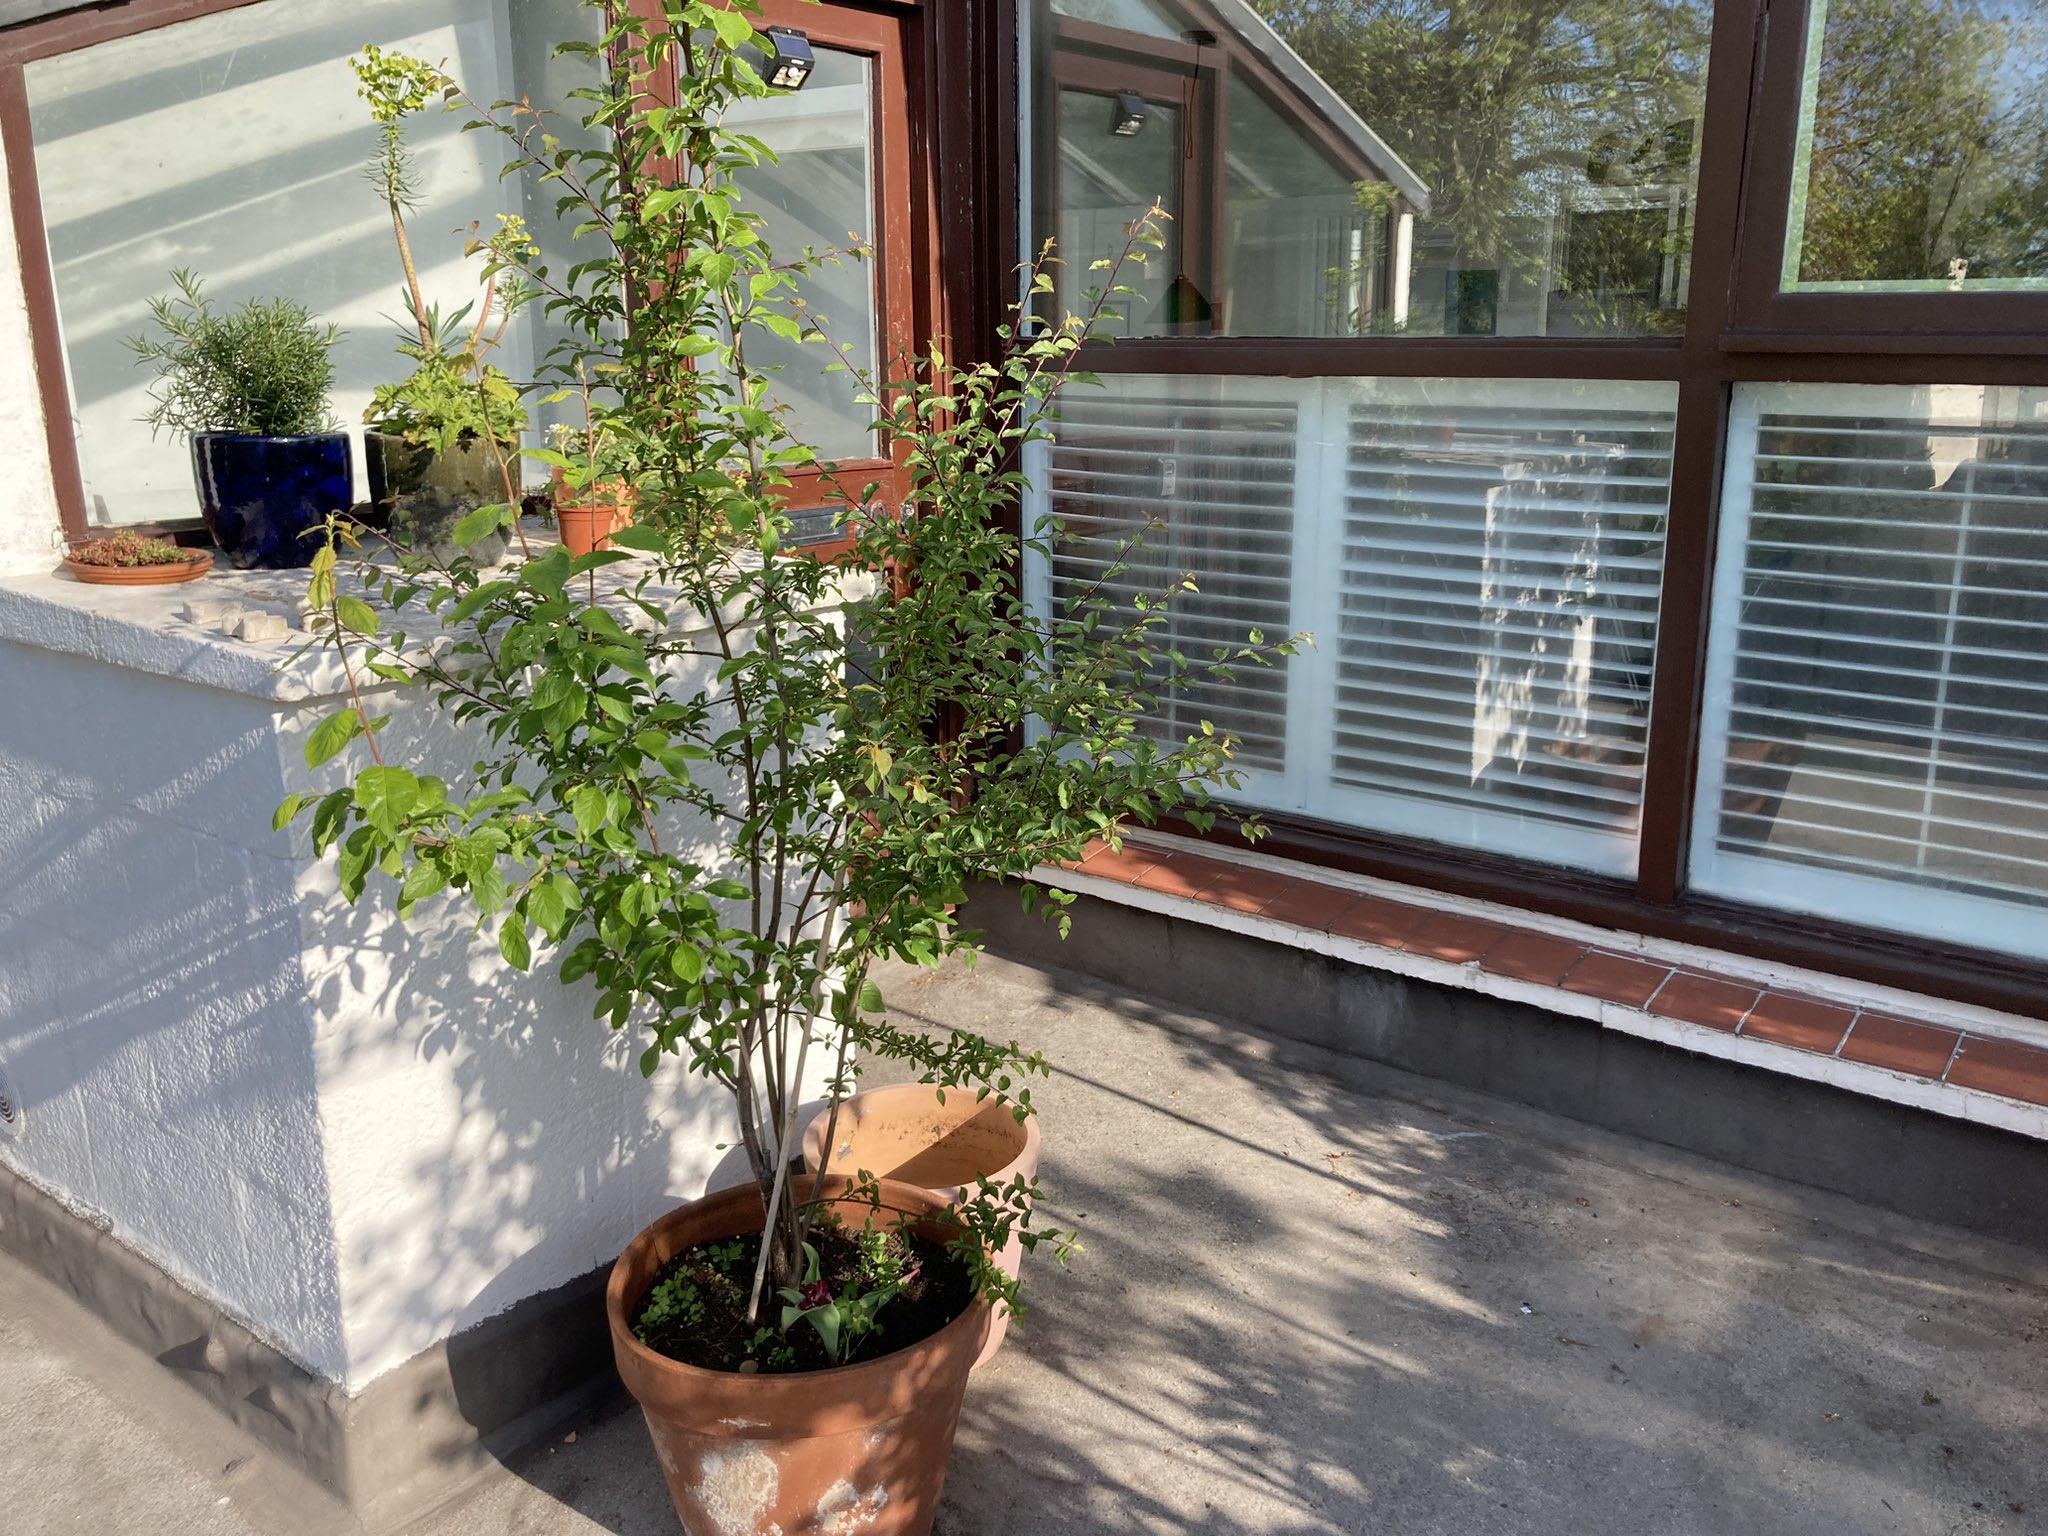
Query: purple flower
(817,1294)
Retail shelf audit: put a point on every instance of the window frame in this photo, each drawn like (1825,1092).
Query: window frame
(904,37)
(1721,345)
(1766,318)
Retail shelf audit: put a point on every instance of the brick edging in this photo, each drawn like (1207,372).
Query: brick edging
(1937,1065)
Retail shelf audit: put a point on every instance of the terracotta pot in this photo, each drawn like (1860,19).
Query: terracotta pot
(860,1448)
(589,524)
(141,575)
(905,1133)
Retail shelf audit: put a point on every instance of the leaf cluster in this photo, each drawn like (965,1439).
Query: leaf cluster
(263,369)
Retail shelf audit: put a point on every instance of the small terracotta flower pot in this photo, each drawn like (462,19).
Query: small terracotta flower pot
(141,575)
(905,1133)
(588,525)
(858,1448)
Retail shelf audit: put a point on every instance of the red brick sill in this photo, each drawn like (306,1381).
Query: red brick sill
(1779,1028)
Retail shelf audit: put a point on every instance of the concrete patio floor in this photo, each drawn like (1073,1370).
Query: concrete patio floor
(1317,1296)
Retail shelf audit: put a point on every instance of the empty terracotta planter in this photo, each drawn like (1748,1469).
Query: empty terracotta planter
(859,1448)
(906,1133)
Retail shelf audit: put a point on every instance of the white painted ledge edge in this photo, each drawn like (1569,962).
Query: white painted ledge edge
(184,632)
(1948,1099)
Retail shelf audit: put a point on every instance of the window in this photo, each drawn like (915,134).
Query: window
(235,144)
(1371,168)
(1407,376)
(1478,560)
(1922,160)
(819,195)
(1877,716)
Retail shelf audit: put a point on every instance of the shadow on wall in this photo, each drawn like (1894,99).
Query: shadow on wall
(488,1139)
(151,1007)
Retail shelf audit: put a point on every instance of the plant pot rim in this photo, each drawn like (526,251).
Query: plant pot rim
(804,1403)
(817,1154)
(272,437)
(197,564)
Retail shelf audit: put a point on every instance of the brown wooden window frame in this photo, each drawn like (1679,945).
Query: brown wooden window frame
(1730,337)
(905,37)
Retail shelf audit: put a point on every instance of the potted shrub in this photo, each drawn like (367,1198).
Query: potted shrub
(135,560)
(588,516)
(249,387)
(445,440)
(946,1143)
(806,1338)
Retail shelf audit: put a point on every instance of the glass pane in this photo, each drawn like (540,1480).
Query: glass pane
(1876,735)
(1479,560)
(235,144)
(1373,167)
(820,197)
(1132,15)
(1923,147)
(1109,181)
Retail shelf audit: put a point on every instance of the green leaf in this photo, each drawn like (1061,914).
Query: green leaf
(687,961)
(424,879)
(386,796)
(288,811)
(640,538)
(871,998)
(733,29)
(588,805)
(512,942)
(728,890)
(355,614)
(331,735)
(480,525)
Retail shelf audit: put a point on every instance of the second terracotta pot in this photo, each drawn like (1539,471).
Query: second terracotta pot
(588,525)
(859,1448)
(906,1133)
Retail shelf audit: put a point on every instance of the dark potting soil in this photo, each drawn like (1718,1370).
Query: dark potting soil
(696,1309)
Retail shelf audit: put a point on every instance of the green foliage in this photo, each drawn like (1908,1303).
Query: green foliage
(449,399)
(845,1319)
(674,1301)
(453,395)
(263,369)
(868,738)
(128,550)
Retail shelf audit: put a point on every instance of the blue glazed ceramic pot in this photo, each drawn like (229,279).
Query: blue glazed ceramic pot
(265,498)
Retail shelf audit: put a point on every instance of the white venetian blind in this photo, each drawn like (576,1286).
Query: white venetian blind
(1877,728)
(1499,558)
(1171,486)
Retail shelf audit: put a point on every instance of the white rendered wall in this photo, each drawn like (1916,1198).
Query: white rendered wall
(355,1136)
(153,1016)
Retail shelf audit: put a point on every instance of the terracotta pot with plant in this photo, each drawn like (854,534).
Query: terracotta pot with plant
(945,1143)
(798,1346)
(249,388)
(586,517)
(135,560)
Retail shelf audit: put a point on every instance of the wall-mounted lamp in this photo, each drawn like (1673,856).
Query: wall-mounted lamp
(790,60)
(1128,121)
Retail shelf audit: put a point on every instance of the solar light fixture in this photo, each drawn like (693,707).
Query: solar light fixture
(790,60)
(1130,115)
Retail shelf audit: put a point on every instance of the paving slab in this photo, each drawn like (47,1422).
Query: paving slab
(1316,1296)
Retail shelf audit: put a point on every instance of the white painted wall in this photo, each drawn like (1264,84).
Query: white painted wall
(357,1137)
